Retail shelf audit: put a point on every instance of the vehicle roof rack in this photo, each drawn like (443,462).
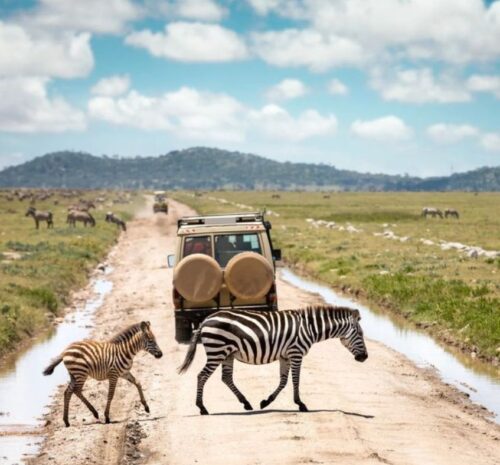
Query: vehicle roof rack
(228,218)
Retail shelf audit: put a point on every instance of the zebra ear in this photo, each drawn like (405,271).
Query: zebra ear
(356,314)
(144,325)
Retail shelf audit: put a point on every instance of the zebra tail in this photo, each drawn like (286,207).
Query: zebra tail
(50,369)
(191,352)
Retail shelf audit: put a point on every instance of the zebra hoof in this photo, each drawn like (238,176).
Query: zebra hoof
(146,407)
(303,408)
(66,423)
(247,406)
(108,421)
(96,415)
(264,403)
(203,411)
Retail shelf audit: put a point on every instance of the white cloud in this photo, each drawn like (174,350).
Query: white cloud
(26,107)
(100,16)
(287,89)
(388,128)
(455,31)
(199,10)
(64,55)
(418,86)
(490,142)
(111,86)
(186,112)
(450,133)
(202,10)
(276,123)
(191,42)
(307,47)
(290,8)
(191,114)
(484,83)
(263,7)
(337,87)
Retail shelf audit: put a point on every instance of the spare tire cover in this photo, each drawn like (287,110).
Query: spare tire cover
(249,275)
(198,277)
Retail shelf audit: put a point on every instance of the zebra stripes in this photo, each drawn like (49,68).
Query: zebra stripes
(111,218)
(105,360)
(263,337)
(38,216)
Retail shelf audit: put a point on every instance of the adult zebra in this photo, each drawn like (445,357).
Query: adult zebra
(105,360)
(263,337)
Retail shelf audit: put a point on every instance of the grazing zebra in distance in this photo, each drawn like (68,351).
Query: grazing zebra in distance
(41,216)
(83,217)
(451,212)
(111,218)
(263,337)
(105,360)
(426,211)
(83,206)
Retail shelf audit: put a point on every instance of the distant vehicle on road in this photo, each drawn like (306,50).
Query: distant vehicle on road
(160,207)
(160,196)
(160,204)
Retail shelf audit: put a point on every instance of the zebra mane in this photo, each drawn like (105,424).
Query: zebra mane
(127,333)
(317,308)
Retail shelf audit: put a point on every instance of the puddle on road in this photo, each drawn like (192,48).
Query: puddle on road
(25,392)
(479,380)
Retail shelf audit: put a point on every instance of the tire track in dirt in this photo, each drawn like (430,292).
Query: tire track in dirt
(383,411)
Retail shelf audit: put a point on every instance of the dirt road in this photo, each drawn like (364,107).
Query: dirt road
(383,411)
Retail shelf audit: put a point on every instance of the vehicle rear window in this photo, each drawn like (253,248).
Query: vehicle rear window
(197,244)
(229,245)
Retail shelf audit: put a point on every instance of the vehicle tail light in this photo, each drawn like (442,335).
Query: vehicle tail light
(272,296)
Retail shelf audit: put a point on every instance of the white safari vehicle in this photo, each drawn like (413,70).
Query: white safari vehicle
(222,262)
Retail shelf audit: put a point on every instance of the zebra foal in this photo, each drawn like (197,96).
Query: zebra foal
(264,337)
(109,360)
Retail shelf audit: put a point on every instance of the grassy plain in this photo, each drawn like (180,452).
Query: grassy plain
(39,268)
(450,294)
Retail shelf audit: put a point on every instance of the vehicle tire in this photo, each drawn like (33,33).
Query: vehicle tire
(183,330)
(198,278)
(249,276)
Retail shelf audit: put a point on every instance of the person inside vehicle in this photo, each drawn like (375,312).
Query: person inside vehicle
(224,250)
(198,245)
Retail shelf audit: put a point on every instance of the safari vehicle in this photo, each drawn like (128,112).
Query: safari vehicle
(222,262)
(160,207)
(160,196)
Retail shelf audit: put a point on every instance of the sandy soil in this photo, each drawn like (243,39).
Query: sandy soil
(383,411)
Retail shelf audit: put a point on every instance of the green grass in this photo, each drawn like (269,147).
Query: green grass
(454,295)
(40,268)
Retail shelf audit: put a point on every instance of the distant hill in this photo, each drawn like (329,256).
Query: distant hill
(210,168)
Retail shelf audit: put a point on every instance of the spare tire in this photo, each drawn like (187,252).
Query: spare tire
(198,278)
(249,276)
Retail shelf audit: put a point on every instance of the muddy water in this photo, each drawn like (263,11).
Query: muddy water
(478,380)
(25,392)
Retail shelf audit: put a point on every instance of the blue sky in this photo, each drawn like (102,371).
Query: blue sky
(388,86)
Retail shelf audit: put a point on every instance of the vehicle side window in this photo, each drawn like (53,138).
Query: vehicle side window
(229,245)
(197,244)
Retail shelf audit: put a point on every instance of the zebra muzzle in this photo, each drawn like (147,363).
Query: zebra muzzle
(361,357)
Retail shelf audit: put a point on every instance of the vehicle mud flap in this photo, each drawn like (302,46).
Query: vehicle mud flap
(183,330)
(217,301)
